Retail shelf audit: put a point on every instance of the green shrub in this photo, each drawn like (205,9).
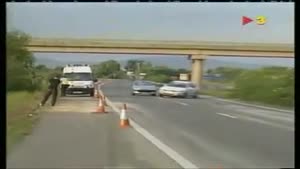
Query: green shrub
(22,74)
(160,78)
(228,73)
(271,85)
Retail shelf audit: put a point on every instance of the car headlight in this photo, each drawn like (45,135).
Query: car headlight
(161,90)
(90,86)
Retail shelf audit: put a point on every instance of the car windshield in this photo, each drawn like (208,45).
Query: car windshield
(143,83)
(181,85)
(78,76)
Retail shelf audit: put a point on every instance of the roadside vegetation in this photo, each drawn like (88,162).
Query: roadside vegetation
(25,85)
(159,74)
(268,85)
(109,69)
(112,69)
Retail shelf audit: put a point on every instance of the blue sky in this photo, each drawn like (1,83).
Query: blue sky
(157,21)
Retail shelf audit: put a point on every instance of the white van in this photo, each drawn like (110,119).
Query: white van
(77,79)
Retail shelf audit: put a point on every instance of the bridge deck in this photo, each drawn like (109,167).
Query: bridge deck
(139,44)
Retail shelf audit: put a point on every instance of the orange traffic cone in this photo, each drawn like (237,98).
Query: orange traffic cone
(101,107)
(124,121)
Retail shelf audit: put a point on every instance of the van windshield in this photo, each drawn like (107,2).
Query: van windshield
(78,76)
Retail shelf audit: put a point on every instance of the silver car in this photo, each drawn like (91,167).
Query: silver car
(179,89)
(144,87)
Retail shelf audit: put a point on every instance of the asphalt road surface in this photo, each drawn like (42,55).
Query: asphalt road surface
(212,133)
(70,135)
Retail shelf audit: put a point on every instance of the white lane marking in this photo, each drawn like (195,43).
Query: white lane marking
(170,152)
(227,115)
(247,104)
(183,162)
(184,104)
(289,128)
(266,114)
(181,103)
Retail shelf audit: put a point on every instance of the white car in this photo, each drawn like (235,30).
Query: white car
(184,89)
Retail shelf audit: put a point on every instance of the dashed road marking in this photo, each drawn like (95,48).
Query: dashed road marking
(278,125)
(184,104)
(227,115)
(181,103)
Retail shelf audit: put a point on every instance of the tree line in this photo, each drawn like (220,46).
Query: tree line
(22,73)
(112,69)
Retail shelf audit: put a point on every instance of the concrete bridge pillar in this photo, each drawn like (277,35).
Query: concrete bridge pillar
(197,68)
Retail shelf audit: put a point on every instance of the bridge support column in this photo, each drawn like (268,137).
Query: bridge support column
(197,69)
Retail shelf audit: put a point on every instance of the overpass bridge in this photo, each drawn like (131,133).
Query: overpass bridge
(197,51)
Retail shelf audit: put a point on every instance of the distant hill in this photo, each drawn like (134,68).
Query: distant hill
(170,61)
(52,63)
(183,62)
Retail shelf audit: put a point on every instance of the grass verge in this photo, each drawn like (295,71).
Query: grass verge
(226,94)
(225,89)
(19,124)
(216,93)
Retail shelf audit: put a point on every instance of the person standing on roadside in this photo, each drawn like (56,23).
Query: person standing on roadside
(54,81)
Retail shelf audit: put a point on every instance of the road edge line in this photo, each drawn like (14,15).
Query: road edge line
(186,164)
(246,104)
(227,115)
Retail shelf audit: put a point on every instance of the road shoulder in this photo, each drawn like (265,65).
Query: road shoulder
(68,138)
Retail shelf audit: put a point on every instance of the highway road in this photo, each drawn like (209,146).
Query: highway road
(211,133)
(70,135)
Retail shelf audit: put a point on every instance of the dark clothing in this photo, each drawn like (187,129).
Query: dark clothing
(54,82)
(48,94)
(52,89)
